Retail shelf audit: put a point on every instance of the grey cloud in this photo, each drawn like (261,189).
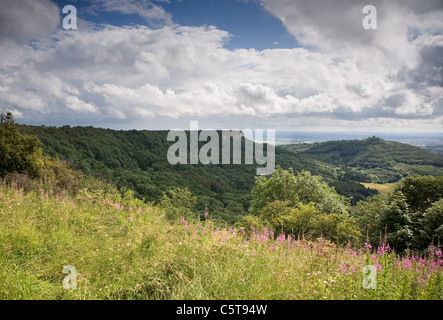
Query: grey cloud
(28,19)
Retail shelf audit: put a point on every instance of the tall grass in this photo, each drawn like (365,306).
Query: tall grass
(124,249)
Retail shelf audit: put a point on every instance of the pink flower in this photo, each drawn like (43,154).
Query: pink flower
(131,218)
(204,231)
(383,249)
(342,268)
(183,220)
(438,253)
(251,227)
(368,246)
(352,268)
(130,209)
(433,265)
(378,267)
(407,264)
(206,214)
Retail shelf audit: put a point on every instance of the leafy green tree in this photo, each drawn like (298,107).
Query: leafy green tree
(178,203)
(421,191)
(283,185)
(430,226)
(387,217)
(18,152)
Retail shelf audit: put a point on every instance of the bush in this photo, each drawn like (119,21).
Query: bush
(19,153)
(178,203)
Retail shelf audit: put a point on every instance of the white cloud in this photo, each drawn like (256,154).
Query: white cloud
(75,104)
(152,13)
(134,73)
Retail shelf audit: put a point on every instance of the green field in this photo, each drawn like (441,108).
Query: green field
(383,188)
(124,249)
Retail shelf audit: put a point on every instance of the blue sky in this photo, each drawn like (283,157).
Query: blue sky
(249,24)
(302,65)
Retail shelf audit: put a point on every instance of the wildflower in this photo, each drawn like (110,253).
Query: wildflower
(433,265)
(378,267)
(206,214)
(431,251)
(342,268)
(130,209)
(251,227)
(368,246)
(131,218)
(183,220)
(352,268)
(230,230)
(438,253)
(51,192)
(243,231)
(407,264)
(204,231)
(383,248)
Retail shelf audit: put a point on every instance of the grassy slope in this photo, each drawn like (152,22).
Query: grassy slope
(382,161)
(124,249)
(382,188)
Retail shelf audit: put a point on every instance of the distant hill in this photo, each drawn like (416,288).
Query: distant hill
(373,159)
(137,159)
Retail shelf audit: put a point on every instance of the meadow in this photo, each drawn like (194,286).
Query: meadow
(123,248)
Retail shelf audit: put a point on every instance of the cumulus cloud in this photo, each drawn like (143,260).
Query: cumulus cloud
(28,19)
(343,74)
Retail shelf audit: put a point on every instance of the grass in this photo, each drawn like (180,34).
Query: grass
(124,249)
(384,188)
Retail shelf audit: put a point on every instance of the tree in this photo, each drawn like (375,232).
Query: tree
(18,152)
(302,205)
(387,217)
(283,185)
(178,203)
(421,191)
(430,226)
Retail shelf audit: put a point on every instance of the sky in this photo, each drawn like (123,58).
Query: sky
(302,65)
